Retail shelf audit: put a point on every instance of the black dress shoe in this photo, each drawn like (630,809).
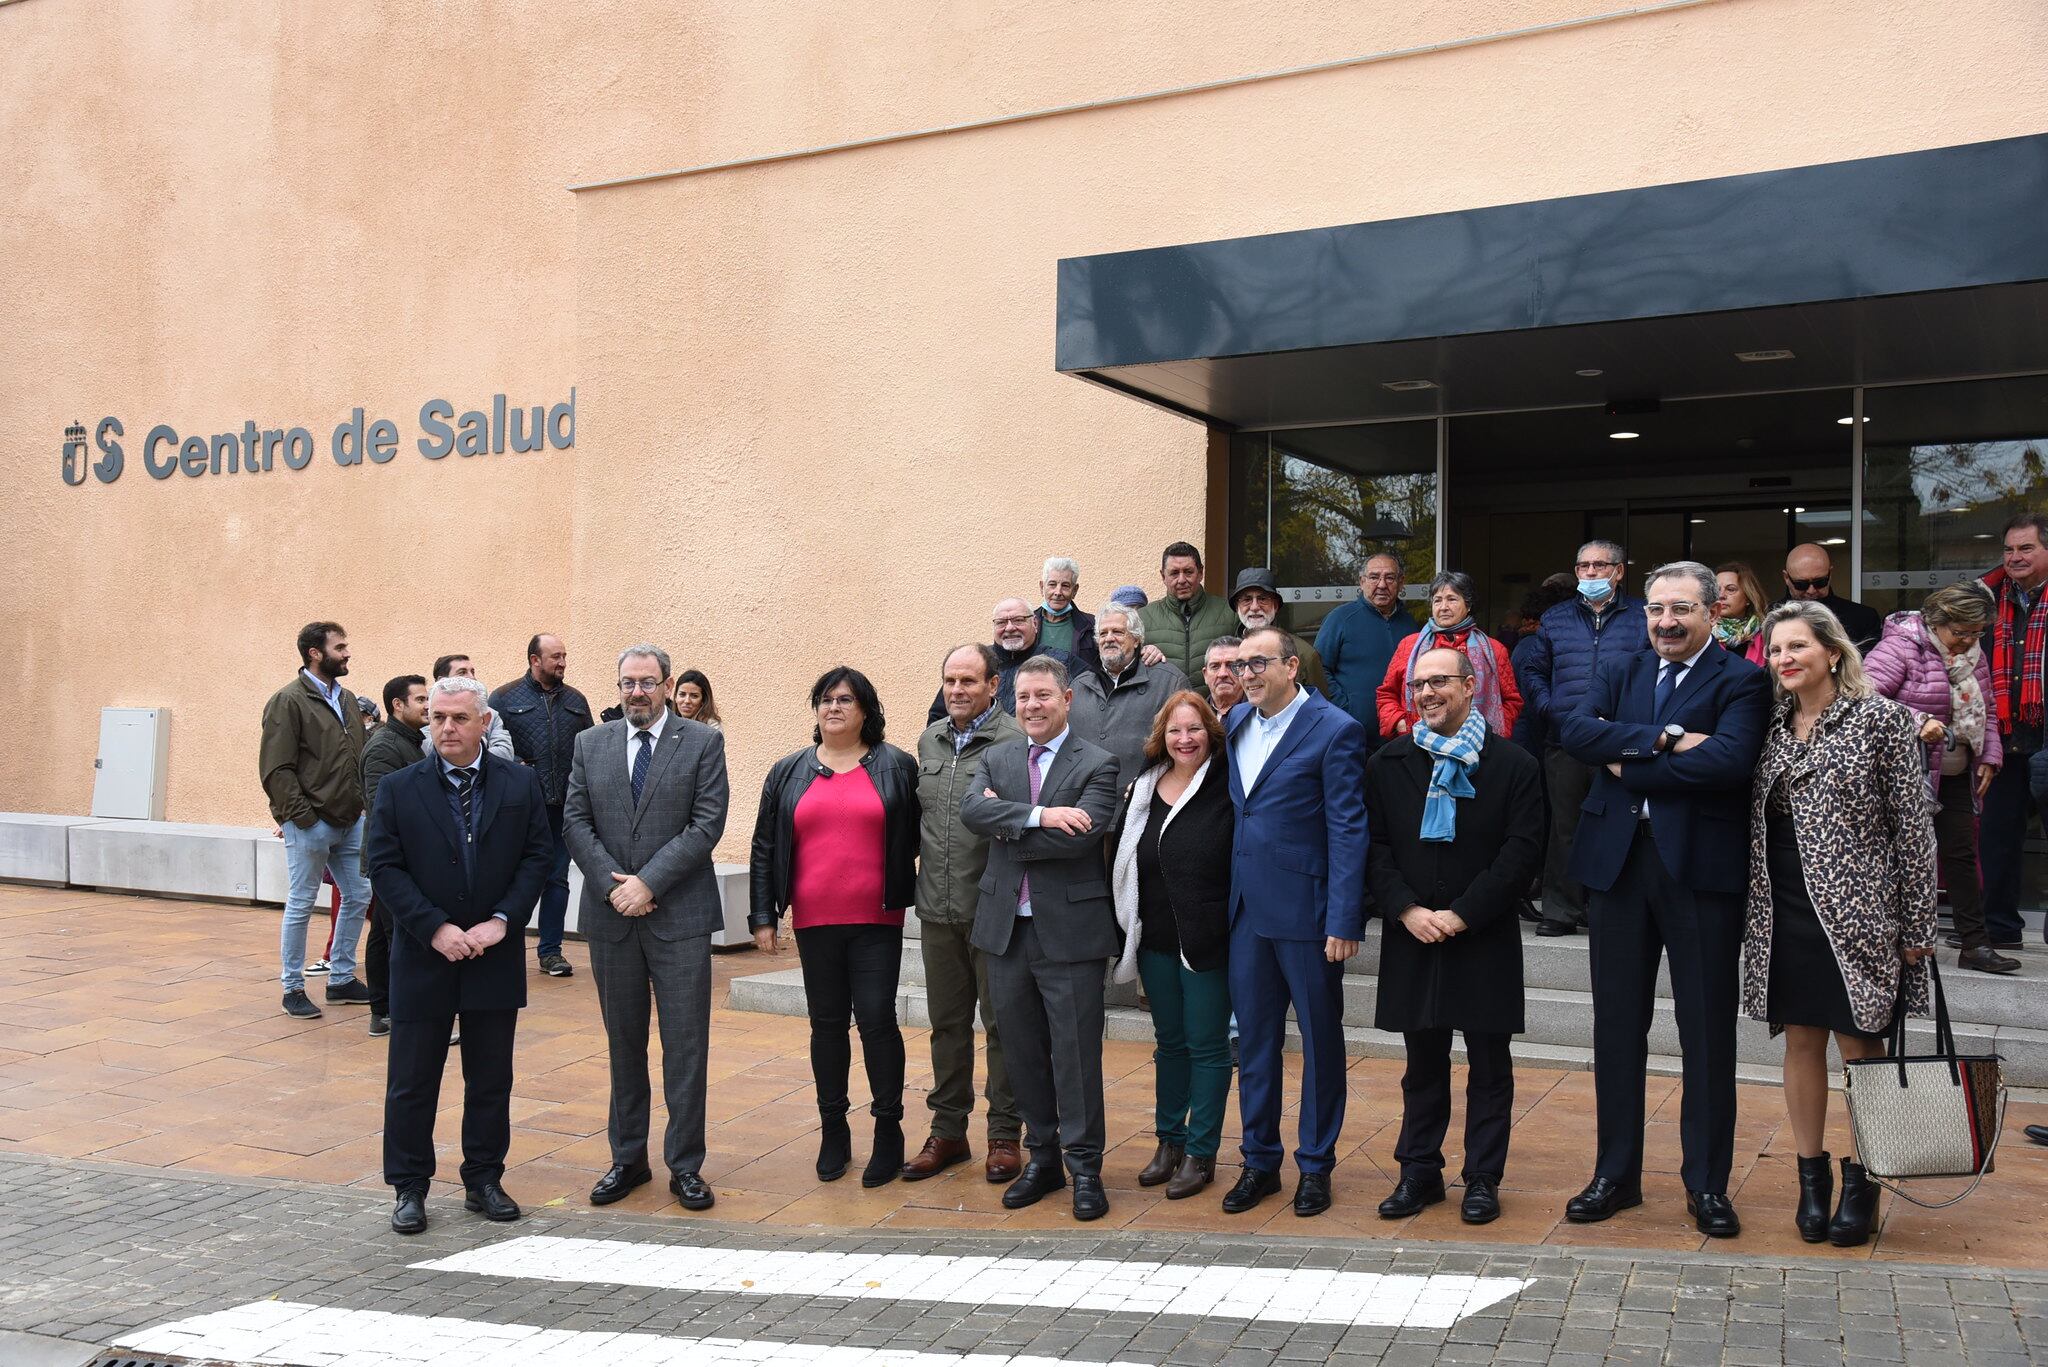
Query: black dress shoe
(1551,930)
(692,1191)
(1034,1184)
(1312,1194)
(1253,1186)
(1091,1202)
(1985,959)
(355,992)
(1713,1213)
(619,1180)
(1601,1200)
(491,1202)
(1481,1205)
(2038,1133)
(1410,1196)
(410,1214)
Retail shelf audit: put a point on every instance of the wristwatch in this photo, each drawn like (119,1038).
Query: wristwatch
(1673,733)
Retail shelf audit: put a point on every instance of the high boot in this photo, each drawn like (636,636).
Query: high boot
(1851,1225)
(835,1145)
(1816,1189)
(885,1164)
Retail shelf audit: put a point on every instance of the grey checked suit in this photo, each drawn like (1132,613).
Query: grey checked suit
(662,959)
(1046,970)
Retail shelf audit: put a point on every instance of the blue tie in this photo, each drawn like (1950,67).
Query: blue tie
(640,763)
(1667,684)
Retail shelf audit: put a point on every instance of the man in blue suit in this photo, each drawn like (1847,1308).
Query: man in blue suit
(1672,734)
(1297,908)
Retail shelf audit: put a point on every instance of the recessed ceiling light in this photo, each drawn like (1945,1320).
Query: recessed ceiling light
(1766,354)
(1588,373)
(1835,541)
(1981,536)
(1699,522)
(1624,436)
(1799,510)
(1408,386)
(1849,421)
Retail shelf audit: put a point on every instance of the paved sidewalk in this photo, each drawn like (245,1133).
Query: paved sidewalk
(96,1253)
(147,1031)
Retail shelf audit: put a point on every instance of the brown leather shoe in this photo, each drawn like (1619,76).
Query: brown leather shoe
(1165,1159)
(1192,1175)
(1005,1161)
(935,1157)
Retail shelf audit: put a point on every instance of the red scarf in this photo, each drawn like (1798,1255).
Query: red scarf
(2034,643)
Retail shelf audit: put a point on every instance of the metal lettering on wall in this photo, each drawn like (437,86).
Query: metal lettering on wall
(354,440)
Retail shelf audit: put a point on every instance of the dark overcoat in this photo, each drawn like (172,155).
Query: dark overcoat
(1472,981)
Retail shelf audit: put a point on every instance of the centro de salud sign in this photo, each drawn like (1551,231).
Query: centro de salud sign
(354,441)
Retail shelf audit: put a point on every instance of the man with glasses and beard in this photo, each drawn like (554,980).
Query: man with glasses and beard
(1016,640)
(545,716)
(1673,735)
(647,804)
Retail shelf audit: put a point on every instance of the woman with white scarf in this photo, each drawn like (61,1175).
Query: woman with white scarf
(1933,662)
(1171,880)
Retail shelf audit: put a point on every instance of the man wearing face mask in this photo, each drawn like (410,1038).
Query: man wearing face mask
(1599,623)
(1256,601)
(1061,625)
(1016,640)
(1114,706)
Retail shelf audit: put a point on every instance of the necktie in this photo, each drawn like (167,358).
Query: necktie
(1036,753)
(465,784)
(1667,683)
(640,761)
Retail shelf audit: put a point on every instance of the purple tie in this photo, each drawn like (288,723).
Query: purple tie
(1031,767)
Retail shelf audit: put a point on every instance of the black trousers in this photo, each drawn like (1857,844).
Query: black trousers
(1955,840)
(412,1093)
(850,975)
(376,964)
(1426,1104)
(1647,913)
(1566,783)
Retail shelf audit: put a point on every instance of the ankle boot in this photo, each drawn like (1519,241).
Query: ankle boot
(835,1146)
(1851,1225)
(1165,1162)
(885,1164)
(1816,1189)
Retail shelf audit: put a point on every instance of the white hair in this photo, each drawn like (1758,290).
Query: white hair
(473,691)
(1056,563)
(1129,615)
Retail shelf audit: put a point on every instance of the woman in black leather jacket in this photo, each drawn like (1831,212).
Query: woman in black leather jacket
(835,845)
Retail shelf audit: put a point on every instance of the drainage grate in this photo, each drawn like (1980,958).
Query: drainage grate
(118,1359)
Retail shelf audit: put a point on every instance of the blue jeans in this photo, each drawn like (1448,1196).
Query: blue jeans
(554,898)
(308,851)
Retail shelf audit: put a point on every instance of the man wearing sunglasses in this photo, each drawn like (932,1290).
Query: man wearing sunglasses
(1810,578)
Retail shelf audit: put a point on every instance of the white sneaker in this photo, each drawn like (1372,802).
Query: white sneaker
(317,966)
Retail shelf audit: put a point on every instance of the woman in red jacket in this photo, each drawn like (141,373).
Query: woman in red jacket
(1451,626)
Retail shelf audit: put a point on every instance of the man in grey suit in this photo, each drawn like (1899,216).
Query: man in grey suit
(1048,929)
(646,805)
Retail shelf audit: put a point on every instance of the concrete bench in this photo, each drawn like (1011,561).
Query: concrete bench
(35,847)
(175,857)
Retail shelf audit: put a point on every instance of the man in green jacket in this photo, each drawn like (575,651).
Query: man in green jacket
(1180,625)
(310,763)
(950,863)
(393,746)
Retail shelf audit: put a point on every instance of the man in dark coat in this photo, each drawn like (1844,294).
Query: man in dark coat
(459,849)
(1673,734)
(1451,948)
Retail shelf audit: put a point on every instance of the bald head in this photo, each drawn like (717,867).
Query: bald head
(1015,628)
(1808,572)
(1443,690)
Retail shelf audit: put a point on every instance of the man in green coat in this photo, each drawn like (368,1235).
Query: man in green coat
(950,863)
(1180,625)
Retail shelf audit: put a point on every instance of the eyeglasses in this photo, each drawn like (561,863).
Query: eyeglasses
(1679,611)
(839,701)
(639,685)
(1436,683)
(1584,565)
(1012,621)
(1253,665)
(1808,585)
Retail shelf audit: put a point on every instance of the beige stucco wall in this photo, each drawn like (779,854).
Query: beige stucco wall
(816,413)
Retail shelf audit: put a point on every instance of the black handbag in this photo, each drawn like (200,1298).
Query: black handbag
(1926,1115)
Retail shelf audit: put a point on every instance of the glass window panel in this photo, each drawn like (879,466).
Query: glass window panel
(1341,494)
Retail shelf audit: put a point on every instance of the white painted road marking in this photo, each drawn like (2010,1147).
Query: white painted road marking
(1301,1295)
(294,1335)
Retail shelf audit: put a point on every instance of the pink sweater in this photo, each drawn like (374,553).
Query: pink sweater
(839,838)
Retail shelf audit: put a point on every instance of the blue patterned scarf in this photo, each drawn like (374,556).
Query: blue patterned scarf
(1456,757)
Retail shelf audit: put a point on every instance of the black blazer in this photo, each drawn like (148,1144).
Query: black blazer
(1472,981)
(1194,863)
(415,865)
(1699,801)
(772,865)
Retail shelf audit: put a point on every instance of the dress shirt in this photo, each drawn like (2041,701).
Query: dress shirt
(330,691)
(960,736)
(1260,734)
(654,729)
(476,768)
(1032,822)
(1680,669)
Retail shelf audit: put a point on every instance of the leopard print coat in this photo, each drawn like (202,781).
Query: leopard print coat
(1866,843)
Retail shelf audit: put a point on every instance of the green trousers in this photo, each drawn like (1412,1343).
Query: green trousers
(956,982)
(1191,1063)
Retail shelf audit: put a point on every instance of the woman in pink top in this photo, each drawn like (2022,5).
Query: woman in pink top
(835,846)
